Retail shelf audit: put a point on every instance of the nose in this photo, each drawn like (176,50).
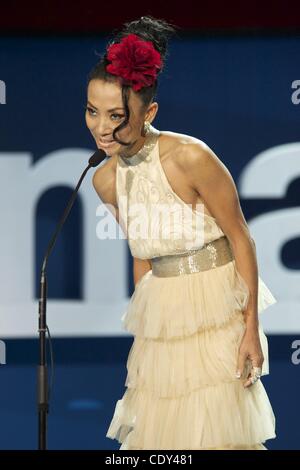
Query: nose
(103,128)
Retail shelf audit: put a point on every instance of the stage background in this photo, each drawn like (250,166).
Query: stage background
(240,94)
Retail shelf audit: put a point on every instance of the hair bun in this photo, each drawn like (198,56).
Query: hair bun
(158,31)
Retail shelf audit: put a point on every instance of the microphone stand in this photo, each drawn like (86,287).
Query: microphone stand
(42,373)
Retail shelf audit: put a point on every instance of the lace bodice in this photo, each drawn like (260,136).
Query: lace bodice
(155,220)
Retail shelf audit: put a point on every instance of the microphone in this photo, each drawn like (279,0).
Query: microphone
(42,374)
(97,158)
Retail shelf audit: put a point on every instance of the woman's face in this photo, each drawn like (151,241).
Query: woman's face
(105,111)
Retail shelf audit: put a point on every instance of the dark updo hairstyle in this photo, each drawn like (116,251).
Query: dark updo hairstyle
(157,31)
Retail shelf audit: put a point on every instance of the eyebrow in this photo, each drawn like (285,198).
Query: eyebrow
(110,110)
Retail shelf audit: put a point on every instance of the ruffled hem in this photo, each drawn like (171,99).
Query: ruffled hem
(180,306)
(229,447)
(205,358)
(214,417)
(181,387)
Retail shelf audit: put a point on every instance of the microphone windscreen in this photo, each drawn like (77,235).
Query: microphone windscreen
(97,158)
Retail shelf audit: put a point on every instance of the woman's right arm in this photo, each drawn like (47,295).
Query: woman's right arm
(140,267)
(104,184)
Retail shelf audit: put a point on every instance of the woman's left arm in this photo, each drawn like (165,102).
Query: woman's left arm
(215,185)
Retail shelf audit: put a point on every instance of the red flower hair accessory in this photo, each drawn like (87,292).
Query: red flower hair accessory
(135,60)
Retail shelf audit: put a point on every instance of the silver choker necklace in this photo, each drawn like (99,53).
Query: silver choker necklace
(142,154)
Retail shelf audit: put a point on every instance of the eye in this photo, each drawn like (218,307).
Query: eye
(119,116)
(90,110)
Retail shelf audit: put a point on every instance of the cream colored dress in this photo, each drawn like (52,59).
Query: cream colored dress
(182,392)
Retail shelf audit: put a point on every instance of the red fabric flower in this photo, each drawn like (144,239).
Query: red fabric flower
(135,60)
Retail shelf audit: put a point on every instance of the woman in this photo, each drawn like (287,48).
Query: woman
(199,351)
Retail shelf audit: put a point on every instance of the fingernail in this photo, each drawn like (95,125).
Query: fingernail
(238,374)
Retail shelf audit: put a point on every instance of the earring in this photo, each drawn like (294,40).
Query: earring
(147,125)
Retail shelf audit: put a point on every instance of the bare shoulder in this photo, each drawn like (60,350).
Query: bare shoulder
(182,147)
(190,154)
(104,180)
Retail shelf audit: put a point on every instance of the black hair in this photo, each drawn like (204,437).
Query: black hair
(158,31)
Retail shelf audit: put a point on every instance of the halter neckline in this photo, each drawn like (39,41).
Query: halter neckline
(144,152)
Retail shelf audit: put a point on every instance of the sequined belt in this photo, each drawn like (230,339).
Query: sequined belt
(211,255)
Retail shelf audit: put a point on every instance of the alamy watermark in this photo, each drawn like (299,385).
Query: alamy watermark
(296,94)
(152,221)
(2,352)
(2,92)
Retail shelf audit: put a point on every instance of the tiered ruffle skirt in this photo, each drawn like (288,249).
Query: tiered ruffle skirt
(182,392)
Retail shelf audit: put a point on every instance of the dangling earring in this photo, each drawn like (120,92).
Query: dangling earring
(147,125)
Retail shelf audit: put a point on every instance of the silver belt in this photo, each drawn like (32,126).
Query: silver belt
(211,255)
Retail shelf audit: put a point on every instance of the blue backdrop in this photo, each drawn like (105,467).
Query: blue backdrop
(233,93)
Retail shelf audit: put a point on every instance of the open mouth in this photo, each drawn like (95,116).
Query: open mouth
(106,143)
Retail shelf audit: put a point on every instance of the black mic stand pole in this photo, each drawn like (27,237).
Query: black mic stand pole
(42,373)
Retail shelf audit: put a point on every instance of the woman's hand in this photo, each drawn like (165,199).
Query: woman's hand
(250,348)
